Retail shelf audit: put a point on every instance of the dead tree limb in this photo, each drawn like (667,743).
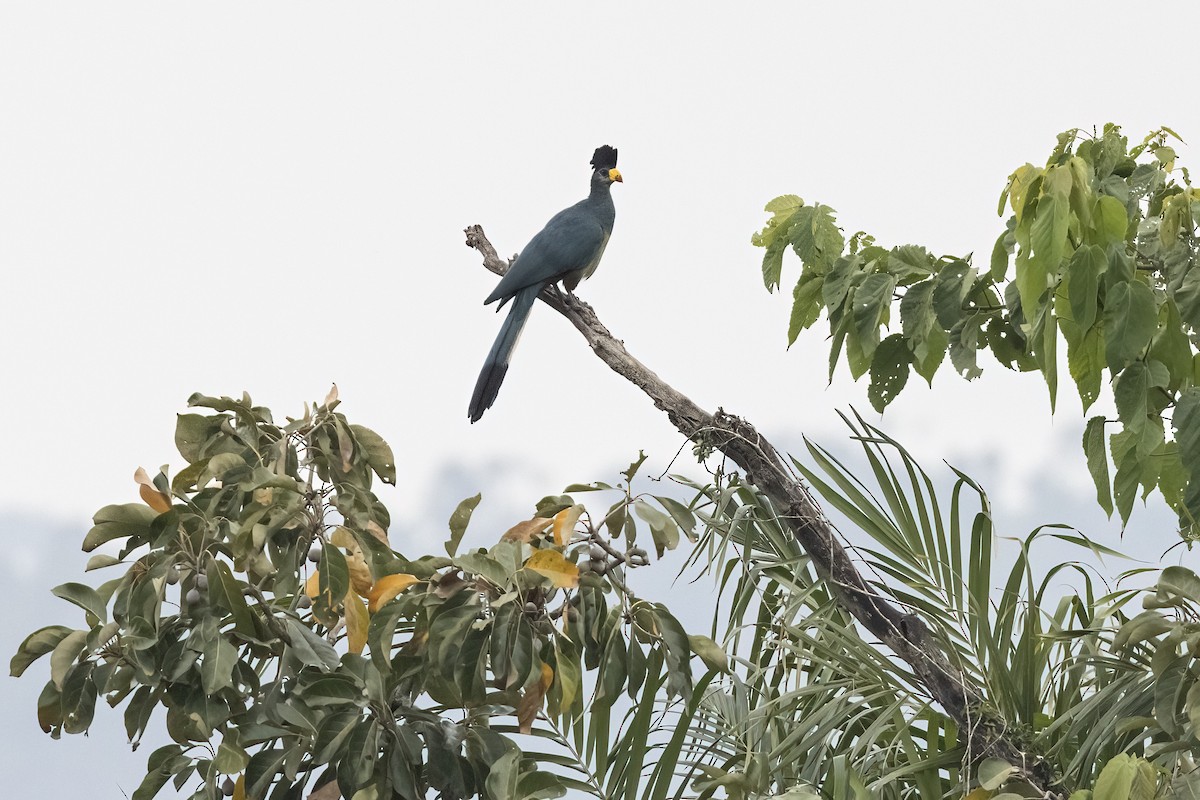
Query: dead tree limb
(904,634)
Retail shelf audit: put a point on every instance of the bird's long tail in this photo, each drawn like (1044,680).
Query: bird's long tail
(496,365)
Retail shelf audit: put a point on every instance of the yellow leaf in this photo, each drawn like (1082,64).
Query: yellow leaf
(239,788)
(357,620)
(312,587)
(331,399)
(564,524)
(531,702)
(977,794)
(150,494)
(379,533)
(551,563)
(1019,184)
(524,531)
(360,573)
(388,587)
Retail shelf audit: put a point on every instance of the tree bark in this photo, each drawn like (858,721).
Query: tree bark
(904,634)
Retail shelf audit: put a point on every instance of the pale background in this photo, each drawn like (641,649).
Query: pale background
(270,197)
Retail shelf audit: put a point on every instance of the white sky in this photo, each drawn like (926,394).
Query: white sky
(216,197)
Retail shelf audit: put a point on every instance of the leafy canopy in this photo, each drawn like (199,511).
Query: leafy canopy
(262,605)
(1099,252)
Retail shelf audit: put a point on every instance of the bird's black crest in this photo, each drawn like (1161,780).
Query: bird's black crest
(605,157)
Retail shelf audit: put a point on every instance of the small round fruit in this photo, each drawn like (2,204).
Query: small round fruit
(173,575)
(314,552)
(202,582)
(531,608)
(304,602)
(596,552)
(227,786)
(193,596)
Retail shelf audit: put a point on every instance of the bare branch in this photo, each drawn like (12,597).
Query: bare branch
(904,634)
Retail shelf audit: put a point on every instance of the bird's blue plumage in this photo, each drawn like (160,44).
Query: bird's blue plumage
(568,249)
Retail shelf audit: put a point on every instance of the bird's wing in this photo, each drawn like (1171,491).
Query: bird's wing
(570,241)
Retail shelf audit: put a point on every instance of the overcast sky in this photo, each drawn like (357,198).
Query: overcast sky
(269,197)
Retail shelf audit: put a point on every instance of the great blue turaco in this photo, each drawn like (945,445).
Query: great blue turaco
(568,249)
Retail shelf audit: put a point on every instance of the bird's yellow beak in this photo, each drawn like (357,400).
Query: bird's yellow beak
(613,175)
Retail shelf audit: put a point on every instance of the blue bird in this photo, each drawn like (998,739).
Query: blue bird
(568,249)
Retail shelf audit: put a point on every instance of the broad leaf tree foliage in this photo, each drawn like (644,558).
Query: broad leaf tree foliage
(293,650)
(261,605)
(1099,252)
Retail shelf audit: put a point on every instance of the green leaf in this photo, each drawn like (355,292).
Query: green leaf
(1097,461)
(64,655)
(1048,240)
(100,561)
(1130,320)
(1116,779)
(311,649)
(459,521)
(85,597)
(772,263)
(539,785)
(1083,279)
(502,774)
(335,572)
(928,354)
(161,765)
(230,760)
(815,236)
(711,653)
(784,205)
(681,514)
(192,432)
(663,529)
(910,261)
(262,769)
(629,472)
(845,273)
(872,299)
(481,564)
(595,486)
(1187,297)
(119,522)
(1185,786)
(993,772)
(1085,360)
(1002,252)
(1181,582)
(964,345)
(225,591)
(806,304)
(216,670)
(953,283)
(774,237)
(333,733)
(1129,394)
(1171,346)
(1128,464)
(378,453)
(1146,625)
(1186,423)
(917,316)
(36,645)
(889,371)
(1110,220)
